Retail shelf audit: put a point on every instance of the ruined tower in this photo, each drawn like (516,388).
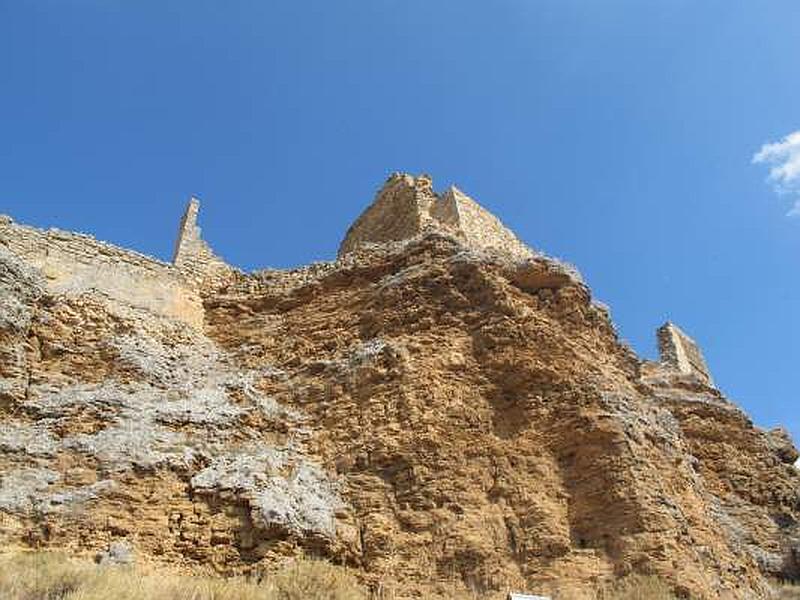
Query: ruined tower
(681,353)
(406,206)
(192,255)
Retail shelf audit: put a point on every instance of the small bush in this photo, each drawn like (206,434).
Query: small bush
(49,576)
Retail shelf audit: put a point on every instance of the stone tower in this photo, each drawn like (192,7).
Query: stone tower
(681,353)
(192,255)
(406,206)
(188,240)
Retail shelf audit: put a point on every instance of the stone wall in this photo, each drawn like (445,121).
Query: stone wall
(479,227)
(75,263)
(194,257)
(680,352)
(406,206)
(400,211)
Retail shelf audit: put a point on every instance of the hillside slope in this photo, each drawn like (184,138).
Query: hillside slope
(440,405)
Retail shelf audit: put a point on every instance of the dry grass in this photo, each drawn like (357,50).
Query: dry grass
(789,592)
(48,576)
(637,587)
(653,588)
(52,576)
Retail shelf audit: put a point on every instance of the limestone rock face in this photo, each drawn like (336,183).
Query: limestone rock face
(439,407)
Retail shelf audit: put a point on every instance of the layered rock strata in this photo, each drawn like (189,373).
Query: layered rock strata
(442,408)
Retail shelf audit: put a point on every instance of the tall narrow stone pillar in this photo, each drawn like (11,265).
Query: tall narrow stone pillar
(680,352)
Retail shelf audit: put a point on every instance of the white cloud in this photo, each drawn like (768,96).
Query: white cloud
(783,157)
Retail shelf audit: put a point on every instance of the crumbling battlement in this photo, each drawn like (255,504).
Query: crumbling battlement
(681,353)
(193,256)
(406,206)
(75,263)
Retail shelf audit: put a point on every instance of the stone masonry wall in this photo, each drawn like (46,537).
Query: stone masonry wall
(680,352)
(194,257)
(404,208)
(480,228)
(407,205)
(400,211)
(74,263)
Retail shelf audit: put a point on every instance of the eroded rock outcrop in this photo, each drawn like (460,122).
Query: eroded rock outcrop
(440,406)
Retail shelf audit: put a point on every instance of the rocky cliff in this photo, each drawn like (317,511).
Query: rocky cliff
(441,406)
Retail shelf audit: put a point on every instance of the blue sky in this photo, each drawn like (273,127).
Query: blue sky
(616,134)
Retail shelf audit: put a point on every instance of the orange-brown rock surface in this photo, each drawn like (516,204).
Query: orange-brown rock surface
(436,408)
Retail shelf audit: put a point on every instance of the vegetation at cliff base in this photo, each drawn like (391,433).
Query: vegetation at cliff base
(51,576)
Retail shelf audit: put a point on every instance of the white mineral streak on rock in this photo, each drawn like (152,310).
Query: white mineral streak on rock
(32,439)
(282,488)
(20,286)
(176,401)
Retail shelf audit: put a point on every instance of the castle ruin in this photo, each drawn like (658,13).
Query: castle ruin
(193,256)
(77,263)
(404,208)
(407,206)
(681,353)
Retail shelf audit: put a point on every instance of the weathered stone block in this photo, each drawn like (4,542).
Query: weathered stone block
(72,263)
(680,352)
(193,256)
(406,206)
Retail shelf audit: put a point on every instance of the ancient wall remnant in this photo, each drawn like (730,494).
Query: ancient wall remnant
(193,256)
(478,226)
(76,263)
(680,352)
(400,211)
(406,206)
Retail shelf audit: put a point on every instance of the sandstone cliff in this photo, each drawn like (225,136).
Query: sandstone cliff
(440,406)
